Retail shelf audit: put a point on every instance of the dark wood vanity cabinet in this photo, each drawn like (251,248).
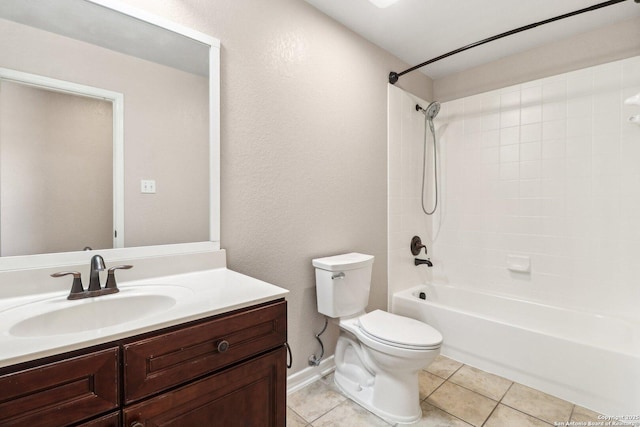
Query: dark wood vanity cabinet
(249,394)
(163,361)
(109,420)
(227,370)
(62,392)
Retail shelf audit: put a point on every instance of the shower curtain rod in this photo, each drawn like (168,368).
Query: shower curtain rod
(393,76)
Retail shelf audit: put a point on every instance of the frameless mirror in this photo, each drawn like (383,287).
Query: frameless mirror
(147,173)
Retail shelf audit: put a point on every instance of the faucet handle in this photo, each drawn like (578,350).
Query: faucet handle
(111,276)
(77,290)
(416,245)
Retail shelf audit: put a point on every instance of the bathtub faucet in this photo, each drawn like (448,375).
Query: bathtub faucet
(418,261)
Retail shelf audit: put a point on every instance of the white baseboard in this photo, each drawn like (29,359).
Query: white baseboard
(309,375)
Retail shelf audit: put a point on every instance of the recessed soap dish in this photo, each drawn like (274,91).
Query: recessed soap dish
(519,263)
(633,100)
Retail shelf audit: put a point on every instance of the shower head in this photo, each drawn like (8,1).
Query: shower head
(431,111)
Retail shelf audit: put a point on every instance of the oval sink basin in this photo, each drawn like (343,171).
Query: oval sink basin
(61,316)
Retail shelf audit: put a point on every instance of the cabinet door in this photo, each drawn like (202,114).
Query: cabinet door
(250,394)
(61,393)
(174,358)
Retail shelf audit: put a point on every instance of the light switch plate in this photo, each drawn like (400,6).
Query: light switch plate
(148,186)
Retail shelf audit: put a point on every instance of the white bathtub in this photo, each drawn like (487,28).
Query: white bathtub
(591,360)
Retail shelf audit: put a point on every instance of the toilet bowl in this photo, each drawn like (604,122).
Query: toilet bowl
(381,373)
(378,354)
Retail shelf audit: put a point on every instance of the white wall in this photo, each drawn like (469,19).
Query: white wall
(606,44)
(546,169)
(406,218)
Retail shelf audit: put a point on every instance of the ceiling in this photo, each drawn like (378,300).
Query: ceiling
(418,30)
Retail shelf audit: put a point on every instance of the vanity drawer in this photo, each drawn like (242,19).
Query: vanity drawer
(111,420)
(158,363)
(252,393)
(61,393)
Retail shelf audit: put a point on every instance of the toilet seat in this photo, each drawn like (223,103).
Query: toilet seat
(399,331)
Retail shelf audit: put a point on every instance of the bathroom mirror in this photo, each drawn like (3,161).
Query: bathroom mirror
(168,167)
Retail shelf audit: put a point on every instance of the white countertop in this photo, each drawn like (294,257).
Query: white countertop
(201,294)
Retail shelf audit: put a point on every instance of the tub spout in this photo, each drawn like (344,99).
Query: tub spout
(418,261)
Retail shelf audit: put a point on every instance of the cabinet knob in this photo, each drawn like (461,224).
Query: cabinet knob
(223,346)
(137,424)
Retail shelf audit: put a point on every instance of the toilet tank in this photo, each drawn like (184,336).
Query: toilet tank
(343,283)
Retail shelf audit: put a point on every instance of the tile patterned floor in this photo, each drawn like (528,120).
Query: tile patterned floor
(452,394)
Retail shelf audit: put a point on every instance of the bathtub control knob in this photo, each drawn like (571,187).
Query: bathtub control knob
(416,245)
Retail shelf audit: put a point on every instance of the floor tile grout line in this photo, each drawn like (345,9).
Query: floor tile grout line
(573,407)
(434,390)
(572,411)
(451,374)
(377,416)
(325,413)
(490,414)
(448,413)
(425,400)
(515,409)
(301,417)
(338,391)
(448,380)
(347,400)
(498,402)
(507,392)
(350,401)
(530,415)
(480,393)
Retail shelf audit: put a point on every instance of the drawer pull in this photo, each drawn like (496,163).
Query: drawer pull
(223,346)
(137,424)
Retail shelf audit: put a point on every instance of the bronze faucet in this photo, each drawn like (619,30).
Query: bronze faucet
(94,289)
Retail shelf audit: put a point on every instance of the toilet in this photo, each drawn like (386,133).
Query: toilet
(378,354)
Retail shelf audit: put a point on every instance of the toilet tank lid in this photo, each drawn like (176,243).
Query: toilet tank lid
(343,262)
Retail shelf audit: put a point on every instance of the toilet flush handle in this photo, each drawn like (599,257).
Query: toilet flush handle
(336,276)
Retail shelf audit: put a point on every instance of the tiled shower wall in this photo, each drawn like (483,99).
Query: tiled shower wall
(406,219)
(548,170)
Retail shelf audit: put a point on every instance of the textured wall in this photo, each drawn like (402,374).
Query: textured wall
(304,145)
